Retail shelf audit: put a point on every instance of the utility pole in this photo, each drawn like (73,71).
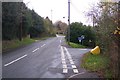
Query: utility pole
(68,22)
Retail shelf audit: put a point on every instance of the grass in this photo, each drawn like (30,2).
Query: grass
(75,45)
(8,45)
(96,63)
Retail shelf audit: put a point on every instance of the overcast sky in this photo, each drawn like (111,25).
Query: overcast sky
(60,9)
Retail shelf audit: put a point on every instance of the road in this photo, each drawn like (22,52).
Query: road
(44,59)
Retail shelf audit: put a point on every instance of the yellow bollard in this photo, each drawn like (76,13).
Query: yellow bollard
(96,50)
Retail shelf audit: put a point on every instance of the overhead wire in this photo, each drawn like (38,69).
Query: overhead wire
(76,9)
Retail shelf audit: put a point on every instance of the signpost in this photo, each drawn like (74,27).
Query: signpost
(81,38)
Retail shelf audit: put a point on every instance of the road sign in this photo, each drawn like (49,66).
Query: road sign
(79,38)
(82,36)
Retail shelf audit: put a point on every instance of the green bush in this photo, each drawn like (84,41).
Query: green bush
(77,30)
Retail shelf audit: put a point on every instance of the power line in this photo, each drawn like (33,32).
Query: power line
(76,9)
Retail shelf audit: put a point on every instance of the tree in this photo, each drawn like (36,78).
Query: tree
(106,23)
(49,27)
(37,25)
(61,27)
(19,21)
(77,30)
(10,18)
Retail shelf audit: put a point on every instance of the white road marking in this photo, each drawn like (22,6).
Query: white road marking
(83,49)
(35,50)
(64,66)
(62,54)
(73,66)
(75,70)
(63,62)
(59,46)
(71,62)
(65,70)
(57,35)
(15,60)
(43,45)
(60,41)
(70,57)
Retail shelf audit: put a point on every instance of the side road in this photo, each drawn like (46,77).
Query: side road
(77,54)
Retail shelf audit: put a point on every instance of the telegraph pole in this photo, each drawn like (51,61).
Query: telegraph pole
(68,22)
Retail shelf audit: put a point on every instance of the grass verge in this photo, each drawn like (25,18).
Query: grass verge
(9,45)
(97,63)
(75,45)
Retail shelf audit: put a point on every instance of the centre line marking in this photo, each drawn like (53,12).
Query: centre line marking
(43,45)
(15,60)
(35,50)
